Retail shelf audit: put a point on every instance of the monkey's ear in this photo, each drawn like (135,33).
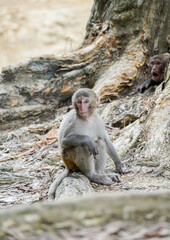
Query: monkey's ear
(98,100)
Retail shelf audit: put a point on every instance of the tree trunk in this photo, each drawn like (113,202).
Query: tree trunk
(130,31)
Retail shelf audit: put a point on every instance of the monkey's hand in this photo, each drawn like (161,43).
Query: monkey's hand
(115,177)
(145,85)
(140,88)
(92,146)
(121,170)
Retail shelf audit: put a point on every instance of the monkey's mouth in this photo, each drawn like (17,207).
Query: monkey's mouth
(155,74)
(156,77)
(84,114)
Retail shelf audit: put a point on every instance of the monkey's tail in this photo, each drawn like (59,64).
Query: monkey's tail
(56,183)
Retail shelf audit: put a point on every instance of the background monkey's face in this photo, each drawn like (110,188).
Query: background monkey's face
(83,107)
(157,69)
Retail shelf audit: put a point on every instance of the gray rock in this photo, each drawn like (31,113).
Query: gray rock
(5,167)
(73,186)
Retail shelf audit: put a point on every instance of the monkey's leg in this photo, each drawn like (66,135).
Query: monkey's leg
(100,160)
(85,163)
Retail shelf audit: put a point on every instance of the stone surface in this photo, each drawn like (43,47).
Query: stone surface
(155,139)
(73,186)
(122,73)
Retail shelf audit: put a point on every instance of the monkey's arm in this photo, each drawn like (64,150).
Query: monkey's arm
(145,85)
(114,155)
(76,140)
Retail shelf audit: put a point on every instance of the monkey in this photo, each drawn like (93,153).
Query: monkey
(84,142)
(157,66)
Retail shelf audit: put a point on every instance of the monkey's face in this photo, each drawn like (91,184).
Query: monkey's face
(83,107)
(157,69)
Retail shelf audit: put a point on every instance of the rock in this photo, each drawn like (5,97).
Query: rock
(128,138)
(5,167)
(73,186)
(37,87)
(121,73)
(155,138)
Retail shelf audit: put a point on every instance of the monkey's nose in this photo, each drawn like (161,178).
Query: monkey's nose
(82,107)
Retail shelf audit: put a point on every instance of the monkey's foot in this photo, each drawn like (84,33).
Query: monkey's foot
(101,179)
(115,177)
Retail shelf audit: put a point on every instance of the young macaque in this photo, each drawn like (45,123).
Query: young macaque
(84,143)
(157,65)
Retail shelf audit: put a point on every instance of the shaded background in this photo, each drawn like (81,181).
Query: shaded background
(31,28)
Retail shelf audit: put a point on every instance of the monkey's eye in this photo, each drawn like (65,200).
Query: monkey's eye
(158,63)
(79,101)
(86,101)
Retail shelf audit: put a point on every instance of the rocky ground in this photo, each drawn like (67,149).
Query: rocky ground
(30,159)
